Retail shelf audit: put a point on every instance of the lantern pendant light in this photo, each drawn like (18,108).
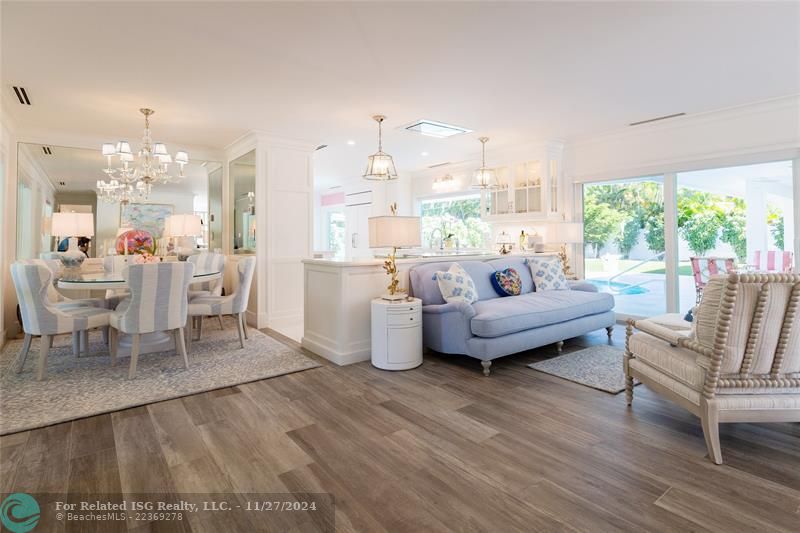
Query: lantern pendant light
(380,165)
(484,177)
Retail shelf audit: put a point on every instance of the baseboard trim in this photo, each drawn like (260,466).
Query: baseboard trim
(333,356)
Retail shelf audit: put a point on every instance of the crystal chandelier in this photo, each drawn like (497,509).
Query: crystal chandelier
(380,165)
(134,179)
(484,177)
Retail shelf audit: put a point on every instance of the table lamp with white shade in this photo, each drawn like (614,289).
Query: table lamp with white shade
(504,240)
(72,226)
(394,232)
(564,233)
(183,226)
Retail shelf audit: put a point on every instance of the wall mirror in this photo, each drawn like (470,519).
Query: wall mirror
(56,179)
(242,175)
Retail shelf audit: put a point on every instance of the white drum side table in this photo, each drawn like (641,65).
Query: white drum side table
(396,334)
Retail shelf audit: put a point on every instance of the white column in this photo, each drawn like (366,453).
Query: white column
(671,243)
(756,225)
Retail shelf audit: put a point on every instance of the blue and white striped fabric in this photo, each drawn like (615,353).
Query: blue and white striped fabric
(158,300)
(227,305)
(39,315)
(207,262)
(55,297)
(114,296)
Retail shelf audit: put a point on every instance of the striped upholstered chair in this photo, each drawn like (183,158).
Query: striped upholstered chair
(233,304)
(207,262)
(41,317)
(741,363)
(158,302)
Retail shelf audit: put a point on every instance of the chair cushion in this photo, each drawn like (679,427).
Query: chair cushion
(507,282)
(679,363)
(503,316)
(548,274)
(88,317)
(456,285)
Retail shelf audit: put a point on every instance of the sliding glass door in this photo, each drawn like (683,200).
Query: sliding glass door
(738,217)
(624,238)
(653,242)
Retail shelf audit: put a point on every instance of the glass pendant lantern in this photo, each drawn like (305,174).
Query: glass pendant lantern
(380,165)
(484,177)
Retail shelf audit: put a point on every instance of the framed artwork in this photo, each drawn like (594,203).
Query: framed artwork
(148,217)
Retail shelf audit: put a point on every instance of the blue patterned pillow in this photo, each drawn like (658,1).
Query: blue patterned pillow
(507,282)
(548,274)
(456,285)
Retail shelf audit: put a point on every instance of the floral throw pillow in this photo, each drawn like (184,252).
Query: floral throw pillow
(548,274)
(456,285)
(507,282)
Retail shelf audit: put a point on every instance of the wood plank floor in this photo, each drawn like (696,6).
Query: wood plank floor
(438,448)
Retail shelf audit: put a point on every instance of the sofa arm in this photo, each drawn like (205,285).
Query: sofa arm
(581,285)
(455,307)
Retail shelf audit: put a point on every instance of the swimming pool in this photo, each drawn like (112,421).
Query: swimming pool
(617,287)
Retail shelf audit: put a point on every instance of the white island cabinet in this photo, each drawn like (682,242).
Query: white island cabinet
(337,302)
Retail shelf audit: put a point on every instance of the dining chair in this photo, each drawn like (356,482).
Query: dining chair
(42,318)
(207,262)
(114,296)
(233,304)
(158,302)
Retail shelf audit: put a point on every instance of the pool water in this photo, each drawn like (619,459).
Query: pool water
(618,287)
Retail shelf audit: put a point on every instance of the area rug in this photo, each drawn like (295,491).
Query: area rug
(89,385)
(599,367)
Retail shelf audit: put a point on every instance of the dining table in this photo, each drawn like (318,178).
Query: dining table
(159,341)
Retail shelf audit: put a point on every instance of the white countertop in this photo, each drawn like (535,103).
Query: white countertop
(378,261)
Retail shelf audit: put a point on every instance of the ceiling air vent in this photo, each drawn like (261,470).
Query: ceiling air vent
(439,164)
(431,128)
(656,119)
(22,95)
(47,150)
(321,147)
(62,183)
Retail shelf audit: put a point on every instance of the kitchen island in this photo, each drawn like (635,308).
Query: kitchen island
(337,296)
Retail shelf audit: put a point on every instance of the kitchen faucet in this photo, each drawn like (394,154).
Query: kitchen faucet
(441,239)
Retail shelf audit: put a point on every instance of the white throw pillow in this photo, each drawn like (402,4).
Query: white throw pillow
(548,274)
(456,285)
(705,315)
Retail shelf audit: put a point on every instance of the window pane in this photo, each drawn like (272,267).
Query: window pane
(453,223)
(624,237)
(733,218)
(336,232)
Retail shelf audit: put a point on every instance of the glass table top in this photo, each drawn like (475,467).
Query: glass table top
(116,277)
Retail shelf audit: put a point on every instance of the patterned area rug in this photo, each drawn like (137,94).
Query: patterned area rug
(77,388)
(599,367)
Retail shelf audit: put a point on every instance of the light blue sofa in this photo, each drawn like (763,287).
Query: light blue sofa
(496,326)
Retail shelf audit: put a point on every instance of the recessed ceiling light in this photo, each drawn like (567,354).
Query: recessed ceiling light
(424,154)
(351,143)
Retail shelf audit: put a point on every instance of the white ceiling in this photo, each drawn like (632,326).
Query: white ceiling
(80,169)
(515,72)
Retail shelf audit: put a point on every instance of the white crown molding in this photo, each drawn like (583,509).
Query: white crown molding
(268,139)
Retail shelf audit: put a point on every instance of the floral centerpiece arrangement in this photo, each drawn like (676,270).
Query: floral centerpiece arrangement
(145,258)
(136,241)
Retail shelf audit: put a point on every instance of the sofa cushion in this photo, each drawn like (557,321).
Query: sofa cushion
(503,316)
(679,363)
(520,265)
(424,287)
(548,274)
(506,282)
(456,285)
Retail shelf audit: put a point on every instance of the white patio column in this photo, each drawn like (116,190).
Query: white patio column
(756,225)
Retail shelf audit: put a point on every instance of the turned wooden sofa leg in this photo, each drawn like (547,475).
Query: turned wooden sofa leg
(560,346)
(709,418)
(610,331)
(487,365)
